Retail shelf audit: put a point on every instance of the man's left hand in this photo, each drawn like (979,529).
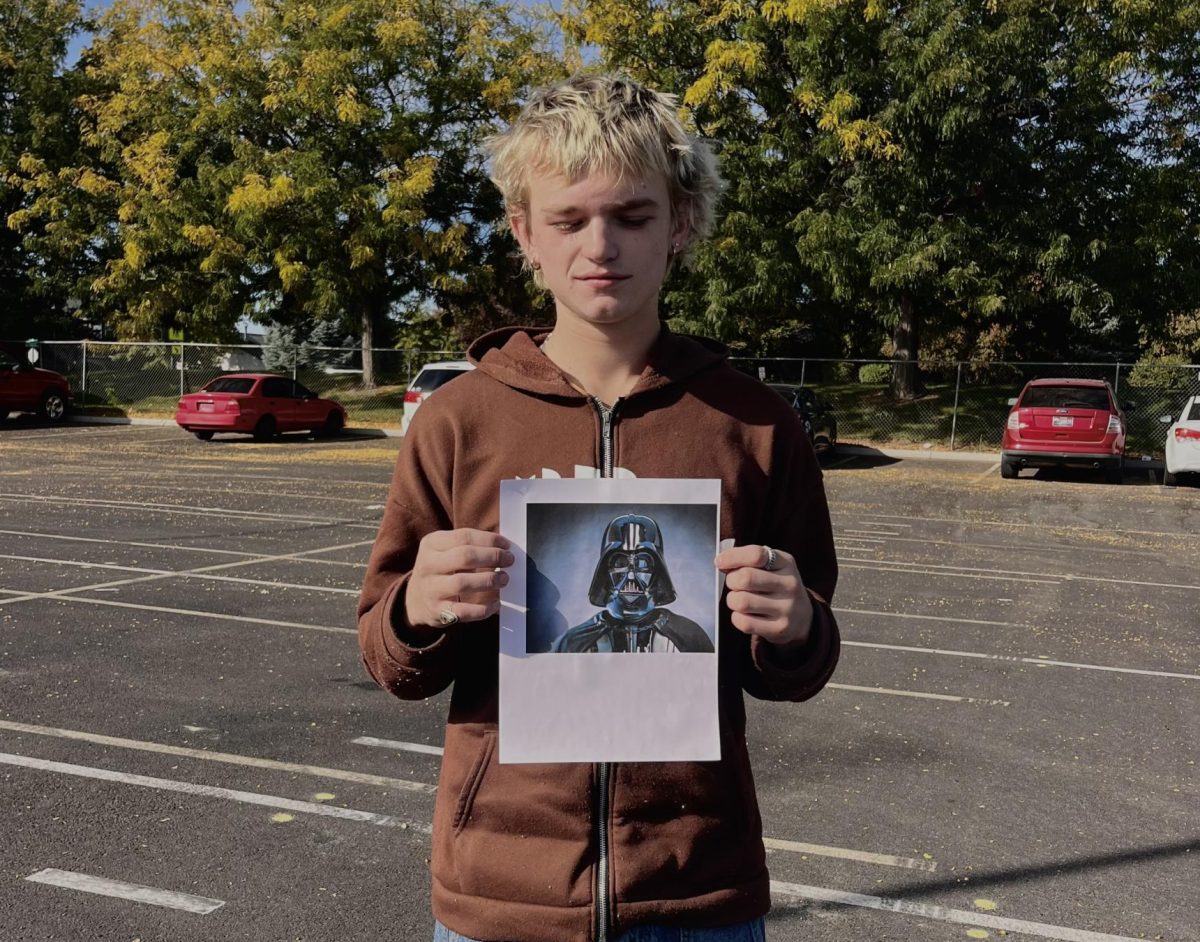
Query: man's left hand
(770,603)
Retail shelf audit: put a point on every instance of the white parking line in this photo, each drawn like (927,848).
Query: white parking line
(861,856)
(821,850)
(874,533)
(887,565)
(938,569)
(302,555)
(918,617)
(397,744)
(792,892)
(986,474)
(220,616)
(211,791)
(228,758)
(125,473)
(38,535)
(224,513)
(918,694)
(199,571)
(1024,547)
(1010,524)
(1039,661)
(177,574)
(102,886)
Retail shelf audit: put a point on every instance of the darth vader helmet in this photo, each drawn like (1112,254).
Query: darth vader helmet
(631,578)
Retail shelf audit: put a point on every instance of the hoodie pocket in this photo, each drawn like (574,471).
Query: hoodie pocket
(474,780)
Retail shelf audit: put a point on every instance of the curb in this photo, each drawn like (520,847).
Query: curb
(903,454)
(979,457)
(923,454)
(162,423)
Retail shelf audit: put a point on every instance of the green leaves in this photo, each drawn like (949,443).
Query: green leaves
(993,165)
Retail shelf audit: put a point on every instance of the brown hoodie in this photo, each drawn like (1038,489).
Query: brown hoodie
(519,850)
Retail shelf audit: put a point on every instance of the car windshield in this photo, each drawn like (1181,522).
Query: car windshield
(429,380)
(230,384)
(1065,397)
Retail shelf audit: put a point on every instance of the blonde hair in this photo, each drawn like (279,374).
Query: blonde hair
(613,125)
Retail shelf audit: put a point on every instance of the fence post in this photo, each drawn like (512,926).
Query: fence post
(182,357)
(295,357)
(1117,379)
(803,367)
(954,412)
(83,381)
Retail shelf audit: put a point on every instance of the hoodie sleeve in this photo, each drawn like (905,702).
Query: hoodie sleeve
(797,520)
(412,663)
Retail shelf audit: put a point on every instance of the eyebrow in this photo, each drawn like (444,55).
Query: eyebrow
(624,207)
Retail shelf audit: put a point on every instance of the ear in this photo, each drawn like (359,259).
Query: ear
(519,223)
(681,227)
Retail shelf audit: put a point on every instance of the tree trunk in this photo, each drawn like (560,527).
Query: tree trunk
(906,374)
(368,347)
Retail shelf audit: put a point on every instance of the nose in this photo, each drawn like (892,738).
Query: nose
(601,242)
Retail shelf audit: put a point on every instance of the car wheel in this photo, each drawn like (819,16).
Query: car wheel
(1169,479)
(333,425)
(54,406)
(266,428)
(204,436)
(1008,469)
(1115,474)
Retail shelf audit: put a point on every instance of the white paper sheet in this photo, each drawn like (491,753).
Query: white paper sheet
(655,703)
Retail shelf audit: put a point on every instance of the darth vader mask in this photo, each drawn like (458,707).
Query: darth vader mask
(631,578)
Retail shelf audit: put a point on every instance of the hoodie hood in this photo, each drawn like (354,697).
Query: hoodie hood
(513,356)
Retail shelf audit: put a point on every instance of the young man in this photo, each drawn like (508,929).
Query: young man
(604,189)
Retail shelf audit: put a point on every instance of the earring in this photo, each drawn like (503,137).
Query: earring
(535,265)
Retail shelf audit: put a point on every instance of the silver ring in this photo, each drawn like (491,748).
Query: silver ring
(446,618)
(772,562)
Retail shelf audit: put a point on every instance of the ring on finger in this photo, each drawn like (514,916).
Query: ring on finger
(446,617)
(772,562)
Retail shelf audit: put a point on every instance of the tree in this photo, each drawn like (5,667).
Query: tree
(35,119)
(295,161)
(931,165)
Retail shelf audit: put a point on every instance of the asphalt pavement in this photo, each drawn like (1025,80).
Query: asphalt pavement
(191,750)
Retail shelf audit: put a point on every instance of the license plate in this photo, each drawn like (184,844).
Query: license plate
(205,406)
(1062,421)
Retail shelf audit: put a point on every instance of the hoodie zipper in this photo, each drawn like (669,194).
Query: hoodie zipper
(604,770)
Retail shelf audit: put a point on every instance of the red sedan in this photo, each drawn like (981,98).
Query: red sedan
(259,404)
(1065,422)
(25,388)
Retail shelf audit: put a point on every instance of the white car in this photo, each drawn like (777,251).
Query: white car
(430,377)
(1183,443)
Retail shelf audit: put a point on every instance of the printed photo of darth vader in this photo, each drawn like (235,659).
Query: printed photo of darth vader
(615,579)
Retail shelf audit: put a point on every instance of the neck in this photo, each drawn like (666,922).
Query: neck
(603,363)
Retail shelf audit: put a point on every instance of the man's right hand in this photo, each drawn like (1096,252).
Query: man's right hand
(456,571)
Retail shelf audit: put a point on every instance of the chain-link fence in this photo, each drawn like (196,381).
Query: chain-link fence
(148,378)
(960,405)
(963,404)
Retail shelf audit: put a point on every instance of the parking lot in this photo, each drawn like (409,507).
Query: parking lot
(1008,747)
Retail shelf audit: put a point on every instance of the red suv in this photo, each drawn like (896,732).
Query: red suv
(1065,423)
(25,388)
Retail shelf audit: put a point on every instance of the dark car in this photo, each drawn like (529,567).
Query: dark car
(25,388)
(259,404)
(1066,423)
(819,421)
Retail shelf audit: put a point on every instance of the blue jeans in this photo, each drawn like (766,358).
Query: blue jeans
(752,931)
